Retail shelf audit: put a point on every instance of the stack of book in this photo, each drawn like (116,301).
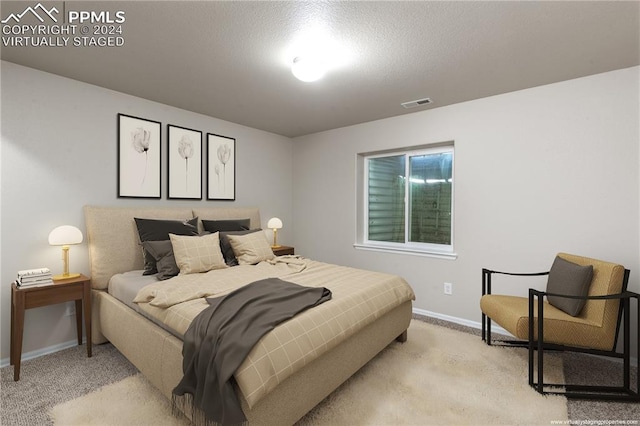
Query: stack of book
(34,277)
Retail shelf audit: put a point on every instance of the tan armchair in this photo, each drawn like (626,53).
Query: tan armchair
(591,327)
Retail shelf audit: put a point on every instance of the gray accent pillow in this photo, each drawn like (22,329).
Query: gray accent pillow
(159,230)
(571,279)
(225,225)
(162,252)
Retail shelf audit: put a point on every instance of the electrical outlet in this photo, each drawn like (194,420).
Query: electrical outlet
(448,288)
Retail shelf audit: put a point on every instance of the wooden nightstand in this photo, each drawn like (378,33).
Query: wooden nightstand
(283,250)
(78,289)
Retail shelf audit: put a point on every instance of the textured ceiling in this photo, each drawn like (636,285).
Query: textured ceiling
(231,60)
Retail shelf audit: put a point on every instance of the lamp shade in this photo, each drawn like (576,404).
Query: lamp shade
(65,235)
(274,223)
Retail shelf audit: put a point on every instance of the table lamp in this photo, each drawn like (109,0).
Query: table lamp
(275,224)
(65,236)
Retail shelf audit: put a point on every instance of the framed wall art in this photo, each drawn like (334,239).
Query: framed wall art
(185,163)
(138,157)
(221,167)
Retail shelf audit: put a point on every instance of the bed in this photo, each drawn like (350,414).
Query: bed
(156,350)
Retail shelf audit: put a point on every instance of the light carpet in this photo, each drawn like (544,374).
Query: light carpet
(438,377)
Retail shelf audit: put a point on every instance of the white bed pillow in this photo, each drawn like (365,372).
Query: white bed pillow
(197,253)
(251,248)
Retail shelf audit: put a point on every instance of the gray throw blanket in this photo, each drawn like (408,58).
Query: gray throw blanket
(221,336)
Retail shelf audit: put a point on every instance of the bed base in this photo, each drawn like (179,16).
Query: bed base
(158,355)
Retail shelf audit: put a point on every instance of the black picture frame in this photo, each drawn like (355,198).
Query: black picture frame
(184,163)
(221,167)
(139,157)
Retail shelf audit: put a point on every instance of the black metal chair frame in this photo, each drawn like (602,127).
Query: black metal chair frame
(607,393)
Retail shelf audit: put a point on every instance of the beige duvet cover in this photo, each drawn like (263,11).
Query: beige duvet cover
(359,298)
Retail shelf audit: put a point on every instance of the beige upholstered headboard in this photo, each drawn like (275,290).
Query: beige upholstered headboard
(114,245)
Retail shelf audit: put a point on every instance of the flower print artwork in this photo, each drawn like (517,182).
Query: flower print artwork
(185,163)
(140,139)
(224,153)
(217,170)
(138,157)
(185,149)
(221,167)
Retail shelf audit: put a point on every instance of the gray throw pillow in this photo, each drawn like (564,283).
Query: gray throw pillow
(572,280)
(162,252)
(225,225)
(159,230)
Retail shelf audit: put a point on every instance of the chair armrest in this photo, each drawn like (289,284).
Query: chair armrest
(487,273)
(529,274)
(625,300)
(624,295)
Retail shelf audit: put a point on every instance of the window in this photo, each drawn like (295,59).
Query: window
(407,201)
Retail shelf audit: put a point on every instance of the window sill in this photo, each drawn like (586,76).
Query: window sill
(404,250)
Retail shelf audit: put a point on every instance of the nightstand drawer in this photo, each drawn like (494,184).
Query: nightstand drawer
(283,250)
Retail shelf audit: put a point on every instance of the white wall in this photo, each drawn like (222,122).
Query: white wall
(59,152)
(554,168)
(549,169)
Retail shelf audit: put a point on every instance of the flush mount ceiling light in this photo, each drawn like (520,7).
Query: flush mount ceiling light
(307,68)
(314,50)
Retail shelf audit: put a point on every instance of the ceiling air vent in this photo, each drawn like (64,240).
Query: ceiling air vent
(417,103)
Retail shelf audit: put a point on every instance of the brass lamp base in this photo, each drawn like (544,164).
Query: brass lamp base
(65,270)
(65,276)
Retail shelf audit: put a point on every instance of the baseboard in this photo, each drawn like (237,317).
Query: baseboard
(41,352)
(468,323)
(494,328)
